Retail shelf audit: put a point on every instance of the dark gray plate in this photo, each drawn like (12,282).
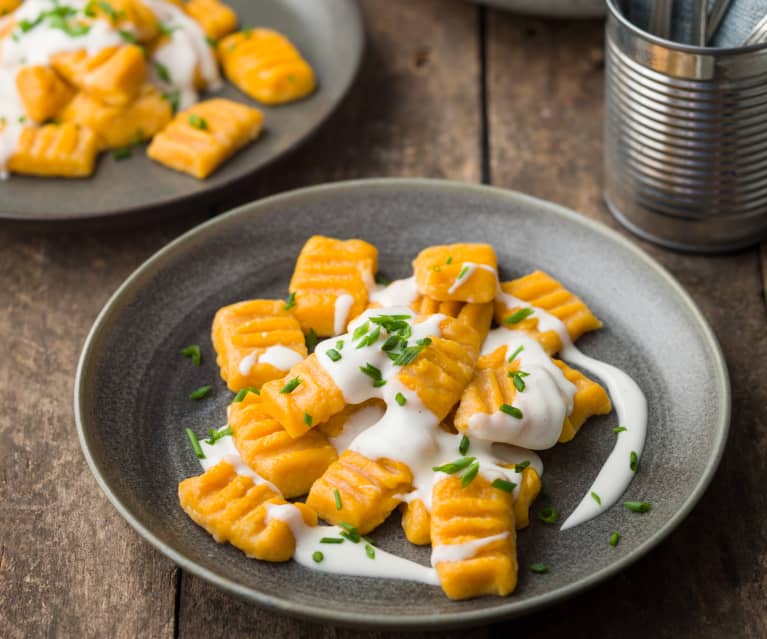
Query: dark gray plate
(330,35)
(131,393)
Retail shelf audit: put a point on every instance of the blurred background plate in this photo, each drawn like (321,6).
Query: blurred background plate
(330,35)
(551,8)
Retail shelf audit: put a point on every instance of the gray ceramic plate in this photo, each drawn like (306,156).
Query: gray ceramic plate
(131,392)
(551,8)
(331,36)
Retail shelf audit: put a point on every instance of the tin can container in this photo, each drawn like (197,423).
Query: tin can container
(685,139)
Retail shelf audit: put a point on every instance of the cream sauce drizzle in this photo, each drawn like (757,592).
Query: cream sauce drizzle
(281,357)
(398,293)
(464,275)
(223,449)
(341,308)
(445,553)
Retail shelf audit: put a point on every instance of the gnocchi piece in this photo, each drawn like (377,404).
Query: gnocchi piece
(197,141)
(457,272)
(65,150)
(541,290)
(232,508)
(248,332)
(468,516)
(266,66)
(131,16)
(331,283)
(305,397)
(334,426)
(367,490)
(478,316)
(216,18)
(590,399)
(121,126)
(114,75)
(529,489)
(292,465)
(43,93)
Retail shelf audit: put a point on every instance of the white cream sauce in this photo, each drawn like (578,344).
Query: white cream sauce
(281,357)
(460,552)
(358,422)
(464,275)
(545,402)
(398,293)
(341,308)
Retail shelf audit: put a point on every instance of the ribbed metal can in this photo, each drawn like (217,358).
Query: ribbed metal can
(685,139)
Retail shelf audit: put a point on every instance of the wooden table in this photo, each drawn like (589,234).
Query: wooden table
(450,91)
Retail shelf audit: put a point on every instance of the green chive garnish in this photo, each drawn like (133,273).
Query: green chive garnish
(243,392)
(337,497)
(308,420)
(516,353)
(548,515)
(380,279)
(637,506)
(619,429)
(122,154)
(455,466)
(290,302)
(373,373)
(311,340)
(290,386)
(371,338)
(317,556)
(518,316)
(331,540)
(164,75)
(201,392)
(340,345)
(505,486)
(470,474)
(333,355)
(198,123)
(462,273)
(370,551)
(195,443)
(128,37)
(511,410)
(596,498)
(614,539)
(360,331)
(518,468)
(400,399)
(633,461)
(517,378)
(214,435)
(193,353)
(463,447)
(539,569)
(449,259)
(350,532)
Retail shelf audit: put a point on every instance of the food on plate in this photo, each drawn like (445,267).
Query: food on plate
(121,69)
(413,403)
(66,150)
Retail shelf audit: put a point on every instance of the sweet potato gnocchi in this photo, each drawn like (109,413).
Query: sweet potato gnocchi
(414,402)
(118,71)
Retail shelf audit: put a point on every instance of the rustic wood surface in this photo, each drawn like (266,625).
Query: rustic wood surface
(447,90)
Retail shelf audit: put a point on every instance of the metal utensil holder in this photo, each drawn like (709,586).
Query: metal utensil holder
(685,139)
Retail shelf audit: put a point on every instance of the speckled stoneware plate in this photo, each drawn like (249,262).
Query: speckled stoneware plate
(131,395)
(551,8)
(330,35)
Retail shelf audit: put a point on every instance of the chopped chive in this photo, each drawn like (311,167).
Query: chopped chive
(311,340)
(243,392)
(462,273)
(449,259)
(518,468)
(122,154)
(369,540)
(201,392)
(505,486)
(198,122)
(392,342)
(331,540)
(470,474)
(614,539)
(163,74)
(380,279)
(317,556)
(354,538)
(340,344)
(371,338)
(378,383)
(539,569)
(333,355)
(633,461)
(548,515)
(517,378)
(213,42)
(518,316)
(308,420)
(637,506)
(411,352)
(128,37)
(596,498)
(370,551)
(195,443)
(511,410)
(173,98)
(348,527)
(360,331)
(193,353)
(214,435)
(400,399)
(373,373)
(165,29)
(453,467)
(516,353)
(619,429)
(290,302)
(290,386)
(337,497)
(463,447)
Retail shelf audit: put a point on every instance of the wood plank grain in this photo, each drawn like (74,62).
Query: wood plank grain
(415,111)
(709,578)
(69,565)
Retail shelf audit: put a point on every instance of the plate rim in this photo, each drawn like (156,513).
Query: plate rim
(177,201)
(457,619)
